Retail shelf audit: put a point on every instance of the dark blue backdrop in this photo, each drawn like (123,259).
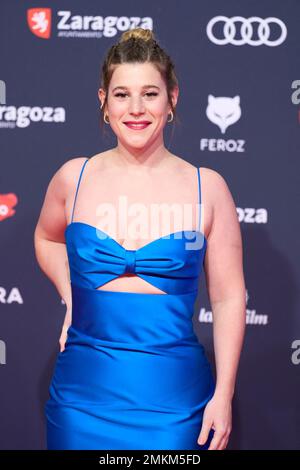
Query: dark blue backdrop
(238,116)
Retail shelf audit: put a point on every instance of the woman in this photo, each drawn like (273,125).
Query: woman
(131,373)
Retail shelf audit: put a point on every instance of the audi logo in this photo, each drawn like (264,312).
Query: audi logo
(246,31)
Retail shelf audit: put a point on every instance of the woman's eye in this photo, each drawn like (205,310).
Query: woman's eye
(152,93)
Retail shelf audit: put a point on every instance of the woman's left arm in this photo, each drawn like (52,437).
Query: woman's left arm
(227,293)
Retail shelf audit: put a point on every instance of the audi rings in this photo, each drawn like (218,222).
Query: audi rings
(246,31)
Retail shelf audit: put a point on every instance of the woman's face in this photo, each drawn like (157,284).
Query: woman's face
(137,94)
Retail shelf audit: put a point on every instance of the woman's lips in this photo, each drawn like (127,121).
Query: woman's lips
(137,126)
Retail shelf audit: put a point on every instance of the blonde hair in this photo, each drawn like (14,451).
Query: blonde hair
(138,33)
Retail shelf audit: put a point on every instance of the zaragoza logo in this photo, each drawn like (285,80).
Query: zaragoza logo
(39,21)
(7,204)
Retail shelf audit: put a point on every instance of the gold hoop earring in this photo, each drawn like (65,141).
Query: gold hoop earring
(172,116)
(107,122)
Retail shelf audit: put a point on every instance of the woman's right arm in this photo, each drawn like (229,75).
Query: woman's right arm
(49,238)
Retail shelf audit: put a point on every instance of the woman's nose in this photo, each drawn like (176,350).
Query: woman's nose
(136,106)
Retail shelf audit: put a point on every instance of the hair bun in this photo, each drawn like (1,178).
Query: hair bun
(138,33)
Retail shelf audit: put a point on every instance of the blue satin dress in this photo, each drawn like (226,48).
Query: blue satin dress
(133,374)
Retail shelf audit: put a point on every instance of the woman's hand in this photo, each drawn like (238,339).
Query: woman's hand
(67,323)
(218,416)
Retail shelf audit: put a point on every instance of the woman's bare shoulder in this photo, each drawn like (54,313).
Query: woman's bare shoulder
(52,219)
(68,173)
(70,170)
(210,173)
(65,177)
(220,197)
(214,181)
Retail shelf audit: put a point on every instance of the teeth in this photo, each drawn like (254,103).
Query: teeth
(137,125)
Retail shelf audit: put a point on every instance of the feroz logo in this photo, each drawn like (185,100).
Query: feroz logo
(39,21)
(223,111)
(246,34)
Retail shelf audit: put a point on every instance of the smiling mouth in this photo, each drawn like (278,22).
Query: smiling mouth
(137,126)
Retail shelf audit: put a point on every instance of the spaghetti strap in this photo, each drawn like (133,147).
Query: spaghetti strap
(199,197)
(79,179)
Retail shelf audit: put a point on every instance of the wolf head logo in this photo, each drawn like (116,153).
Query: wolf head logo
(223,111)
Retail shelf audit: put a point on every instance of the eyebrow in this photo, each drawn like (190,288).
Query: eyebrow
(143,87)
